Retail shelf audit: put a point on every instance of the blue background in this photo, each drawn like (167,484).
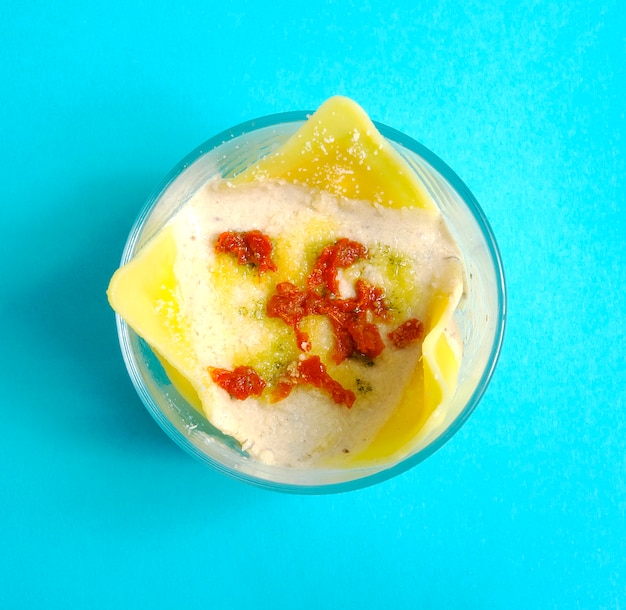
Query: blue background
(524,508)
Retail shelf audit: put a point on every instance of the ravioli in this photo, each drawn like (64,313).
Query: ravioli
(338,150)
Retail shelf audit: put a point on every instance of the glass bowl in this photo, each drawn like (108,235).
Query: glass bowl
(480,318)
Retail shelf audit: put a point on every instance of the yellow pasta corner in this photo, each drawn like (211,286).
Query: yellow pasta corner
(143,293)
(340,150)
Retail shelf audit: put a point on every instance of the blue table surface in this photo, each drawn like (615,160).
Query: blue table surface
(524,508)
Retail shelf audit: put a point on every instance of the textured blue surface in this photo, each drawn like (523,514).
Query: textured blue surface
(524,508)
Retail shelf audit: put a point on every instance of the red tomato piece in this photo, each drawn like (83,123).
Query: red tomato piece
(250,247)
(312,370)
(408,332)
(241,383)
(342,254)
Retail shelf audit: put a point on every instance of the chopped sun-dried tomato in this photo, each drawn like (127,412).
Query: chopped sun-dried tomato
(344,342)
(313,371)
(366,336)
(291,304)
(341,254)
(371,298)
(348,317)
(251,248)
(354,334)
(241,383)
(282,389)
(408,332)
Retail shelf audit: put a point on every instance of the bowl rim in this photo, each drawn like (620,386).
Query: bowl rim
(467,198)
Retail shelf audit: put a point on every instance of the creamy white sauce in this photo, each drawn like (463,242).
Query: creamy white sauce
(307,426)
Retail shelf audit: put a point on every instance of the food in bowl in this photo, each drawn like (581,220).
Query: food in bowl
(305,305)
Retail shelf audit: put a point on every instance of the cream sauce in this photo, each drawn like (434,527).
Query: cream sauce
(307,427)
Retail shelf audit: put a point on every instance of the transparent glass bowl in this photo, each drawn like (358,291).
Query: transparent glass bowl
(481,317)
